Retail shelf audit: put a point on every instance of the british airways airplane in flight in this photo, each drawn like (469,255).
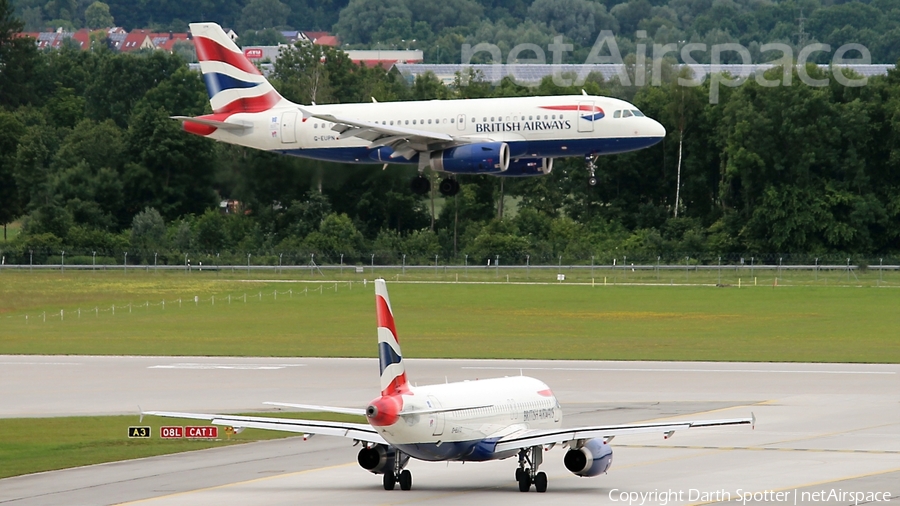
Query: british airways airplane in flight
(472,421)
(497,136)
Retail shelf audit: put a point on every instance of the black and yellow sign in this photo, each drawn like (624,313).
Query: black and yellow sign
(139,432)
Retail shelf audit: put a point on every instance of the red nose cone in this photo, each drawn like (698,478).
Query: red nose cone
(384,411)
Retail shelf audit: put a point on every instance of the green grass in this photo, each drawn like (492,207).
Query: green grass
(12,230)
(813,323)
(31,445)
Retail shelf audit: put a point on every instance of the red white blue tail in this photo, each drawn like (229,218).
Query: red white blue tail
(234,84)
(393,373)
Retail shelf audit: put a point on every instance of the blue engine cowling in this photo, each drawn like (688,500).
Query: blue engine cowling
(594,458)
(480,158)
(525,167)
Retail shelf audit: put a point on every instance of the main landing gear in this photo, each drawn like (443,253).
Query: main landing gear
(530,476)
(591,168)
(420,185)
(449,187)
(398,474)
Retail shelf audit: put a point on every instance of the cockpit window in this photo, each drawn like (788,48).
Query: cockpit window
(617,114)
(637,113)
(626,113)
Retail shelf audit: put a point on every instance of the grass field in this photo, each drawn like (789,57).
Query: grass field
(31,445)
(557,321)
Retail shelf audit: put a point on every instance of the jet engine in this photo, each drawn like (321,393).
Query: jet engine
(594,458)
(479,158)
(376,459)
(524,167)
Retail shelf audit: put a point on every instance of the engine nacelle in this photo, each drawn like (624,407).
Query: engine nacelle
(594,458)
(480,158)
(525,167)
(376,459)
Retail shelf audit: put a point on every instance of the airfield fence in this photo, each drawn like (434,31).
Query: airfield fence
(101,258)
(780,270)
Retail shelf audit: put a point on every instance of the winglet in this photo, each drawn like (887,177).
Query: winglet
(752,421)
(141,419)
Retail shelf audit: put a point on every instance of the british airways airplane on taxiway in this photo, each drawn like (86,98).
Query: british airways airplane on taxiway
(496,136)
(471,421)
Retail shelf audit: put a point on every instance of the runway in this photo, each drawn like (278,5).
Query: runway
(824,431)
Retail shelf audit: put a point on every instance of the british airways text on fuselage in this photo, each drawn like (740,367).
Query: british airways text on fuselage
(517,126)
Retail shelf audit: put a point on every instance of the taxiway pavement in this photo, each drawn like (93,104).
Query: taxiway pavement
(823,431)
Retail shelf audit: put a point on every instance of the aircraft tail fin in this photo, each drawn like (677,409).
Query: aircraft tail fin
(233,83)
(390,359)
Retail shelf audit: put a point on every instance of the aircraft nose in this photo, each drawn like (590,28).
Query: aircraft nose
(655,129)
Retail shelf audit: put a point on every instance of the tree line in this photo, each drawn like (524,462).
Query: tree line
(90,161)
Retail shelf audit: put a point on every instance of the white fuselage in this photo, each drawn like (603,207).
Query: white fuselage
(496,408)
(557,126)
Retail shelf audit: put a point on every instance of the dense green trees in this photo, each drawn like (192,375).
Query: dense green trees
(91,161)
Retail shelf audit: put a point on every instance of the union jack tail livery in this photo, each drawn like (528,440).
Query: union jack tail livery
(233,83)
(393,373)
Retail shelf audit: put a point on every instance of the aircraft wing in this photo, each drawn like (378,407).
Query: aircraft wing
(405,142)
(528,438)
(356,431)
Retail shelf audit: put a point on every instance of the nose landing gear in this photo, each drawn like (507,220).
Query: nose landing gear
(591,168)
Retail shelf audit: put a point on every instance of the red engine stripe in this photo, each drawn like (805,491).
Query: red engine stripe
(210,50)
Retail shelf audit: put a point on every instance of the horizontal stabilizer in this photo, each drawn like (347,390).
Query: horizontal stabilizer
(442,410)
(231,127)
(313,407)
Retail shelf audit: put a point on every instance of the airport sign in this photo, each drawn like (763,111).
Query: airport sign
(139,432)
(171,432)
(202,432)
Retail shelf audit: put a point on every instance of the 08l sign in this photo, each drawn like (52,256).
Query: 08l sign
(171,432)
(202,432)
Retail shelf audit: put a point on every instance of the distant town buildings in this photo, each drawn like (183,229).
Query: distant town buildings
(369,58)
(139,39)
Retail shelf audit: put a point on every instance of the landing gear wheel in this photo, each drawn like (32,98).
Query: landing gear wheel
(449,187)
(525,481)
(419,185)
(592,181)
(389,481)
(519,472)
(406,480)
(540,482)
